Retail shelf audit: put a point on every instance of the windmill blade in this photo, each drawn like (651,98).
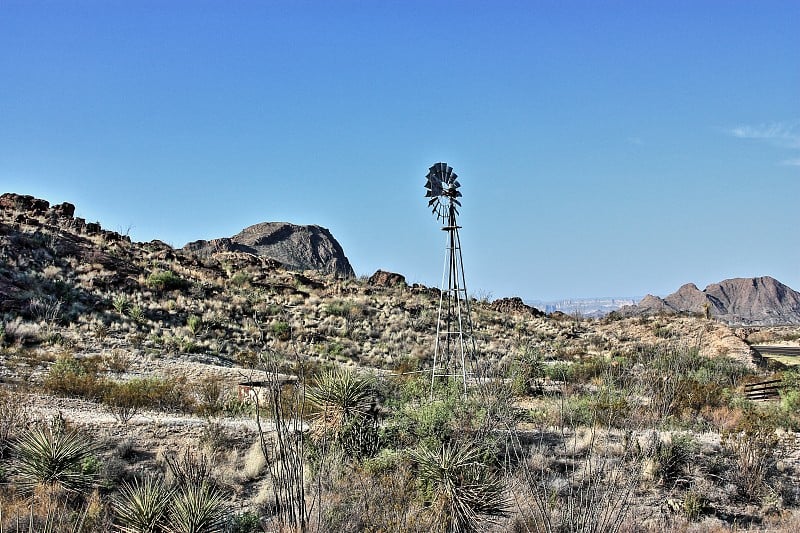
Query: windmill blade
(456,202)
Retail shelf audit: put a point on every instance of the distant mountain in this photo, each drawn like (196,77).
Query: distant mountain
(755,301)
(295,247)
(587,307)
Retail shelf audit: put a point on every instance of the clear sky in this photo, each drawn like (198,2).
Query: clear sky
(607,148)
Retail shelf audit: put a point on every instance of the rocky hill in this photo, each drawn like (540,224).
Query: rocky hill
(760,301)
(295,247)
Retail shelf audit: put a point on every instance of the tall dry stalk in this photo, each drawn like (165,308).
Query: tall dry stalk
(283,445)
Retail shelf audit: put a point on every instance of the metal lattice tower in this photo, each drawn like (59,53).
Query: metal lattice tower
(455,351)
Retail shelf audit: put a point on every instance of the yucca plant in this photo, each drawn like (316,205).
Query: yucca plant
(346,404)
(457,484)
(197,508)
(141,507)
(53,457)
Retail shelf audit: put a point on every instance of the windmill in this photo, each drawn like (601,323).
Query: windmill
(455,346)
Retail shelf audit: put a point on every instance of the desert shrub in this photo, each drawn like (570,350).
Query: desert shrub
(752,445)
(163,394)
(136,313)
(581,489)
(125,399)
(790,393)
(461,491)
(117,361)
(416,420)
(54,457)
(559,371)
(281,330)
(247,522)
(14,417)
(240,279)
(75,378)
(121,303)
(589,369)
(339,308)
(212,396)
(527,372)
(681,382)
(694,505)
(170,394)
(672,456)
(194,323)
(370,500)
(166,280)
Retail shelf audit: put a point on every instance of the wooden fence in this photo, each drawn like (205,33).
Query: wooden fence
(764,390)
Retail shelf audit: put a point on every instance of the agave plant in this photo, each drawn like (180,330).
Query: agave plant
(462,493)
(197,508)
(53,458)
(345,401)
(141,507)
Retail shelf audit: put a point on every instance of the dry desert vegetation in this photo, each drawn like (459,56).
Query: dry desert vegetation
(121,405)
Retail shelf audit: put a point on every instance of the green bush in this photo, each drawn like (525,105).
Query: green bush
(339,308)
(281,330)
(75,378)
(194,323)
(166,280)
(246,522)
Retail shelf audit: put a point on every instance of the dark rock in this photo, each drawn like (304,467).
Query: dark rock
(295,247)
(93,228)
(65,210)
(308,282)
(381,278)
(514,305)
(23,202)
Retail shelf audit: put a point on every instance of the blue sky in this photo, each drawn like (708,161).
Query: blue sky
(604,148)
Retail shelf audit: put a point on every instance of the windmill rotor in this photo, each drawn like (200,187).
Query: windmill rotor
(442,189)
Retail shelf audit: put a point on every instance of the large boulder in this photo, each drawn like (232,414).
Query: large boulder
(295,247)
(381,278)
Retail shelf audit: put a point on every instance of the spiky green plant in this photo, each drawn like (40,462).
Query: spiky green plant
(141,506)
(461,491)
(54,458)
(345,401)
(197,508)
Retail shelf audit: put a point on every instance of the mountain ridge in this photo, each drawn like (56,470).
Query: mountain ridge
(758,301)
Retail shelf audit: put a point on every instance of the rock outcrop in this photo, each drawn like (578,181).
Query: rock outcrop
(514,305)
(382,278)
(750,301)
(295,247)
